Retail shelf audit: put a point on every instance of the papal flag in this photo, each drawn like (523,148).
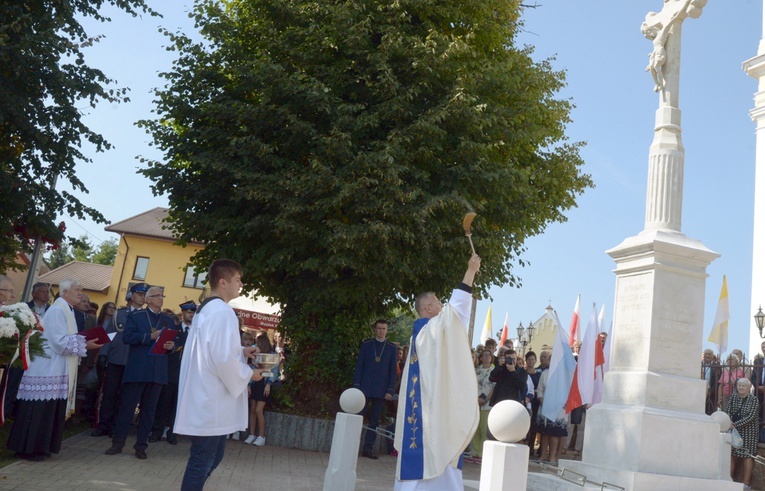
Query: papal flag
(719,334)
(486,331)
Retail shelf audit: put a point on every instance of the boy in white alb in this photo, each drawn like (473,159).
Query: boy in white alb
(212,390)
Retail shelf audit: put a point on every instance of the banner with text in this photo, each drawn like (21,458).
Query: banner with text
(257,320)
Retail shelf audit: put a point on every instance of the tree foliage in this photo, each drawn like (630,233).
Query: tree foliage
(44,85)
(60,256)
(334,147)
(82,250)
(105,253)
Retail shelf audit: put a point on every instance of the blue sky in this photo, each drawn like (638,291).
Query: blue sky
(599,45)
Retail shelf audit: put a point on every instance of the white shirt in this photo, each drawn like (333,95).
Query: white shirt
(212,390)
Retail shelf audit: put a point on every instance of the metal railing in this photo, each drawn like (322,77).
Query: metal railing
(721,382)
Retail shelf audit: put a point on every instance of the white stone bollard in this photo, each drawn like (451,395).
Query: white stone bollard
(344,453)
(724,474)
(722,419)
(505,466)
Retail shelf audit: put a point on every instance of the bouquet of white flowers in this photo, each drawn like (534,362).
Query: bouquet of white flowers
(18,326)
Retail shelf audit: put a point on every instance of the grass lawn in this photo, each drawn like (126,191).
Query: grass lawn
(8,457)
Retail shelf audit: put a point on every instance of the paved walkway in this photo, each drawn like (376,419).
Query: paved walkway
(82,466)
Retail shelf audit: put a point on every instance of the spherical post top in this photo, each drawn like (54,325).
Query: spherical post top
(721,418)
(509,421)
(352,401)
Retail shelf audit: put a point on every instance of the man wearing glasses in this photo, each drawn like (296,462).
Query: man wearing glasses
(145,373)
(437,410)
(7,294)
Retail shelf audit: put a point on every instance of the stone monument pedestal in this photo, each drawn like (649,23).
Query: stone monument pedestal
(651,432)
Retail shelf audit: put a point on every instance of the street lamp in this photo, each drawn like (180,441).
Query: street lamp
(759,320)
(531,330)
(525,335)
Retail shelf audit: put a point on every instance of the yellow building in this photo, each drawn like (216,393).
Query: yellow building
(147,253)
(544,331)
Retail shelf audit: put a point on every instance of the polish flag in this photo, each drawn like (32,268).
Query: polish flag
(504,331)
(583,384)
(573,329)
(600,359)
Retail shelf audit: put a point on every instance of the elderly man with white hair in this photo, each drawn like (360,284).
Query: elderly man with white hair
(7,294)
(46,394)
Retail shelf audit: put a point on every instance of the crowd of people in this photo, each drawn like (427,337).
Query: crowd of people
(503,374)
(105,383)
(736,386)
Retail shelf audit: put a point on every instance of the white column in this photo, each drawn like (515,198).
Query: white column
(761,49)
(755,67)
(666,157)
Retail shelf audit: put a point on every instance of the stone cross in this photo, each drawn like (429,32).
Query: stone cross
(667,155)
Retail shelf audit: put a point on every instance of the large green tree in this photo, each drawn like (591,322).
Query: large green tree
(334,147)
(44,86)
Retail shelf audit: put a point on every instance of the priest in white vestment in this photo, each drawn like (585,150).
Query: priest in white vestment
(437,409)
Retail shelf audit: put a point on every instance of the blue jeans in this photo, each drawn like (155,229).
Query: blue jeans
(205,455)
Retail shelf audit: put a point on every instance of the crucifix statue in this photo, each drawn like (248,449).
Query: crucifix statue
(659,27)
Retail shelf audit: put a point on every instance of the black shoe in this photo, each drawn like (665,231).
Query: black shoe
(99,432)
(154,438)
(369,455)
(171,439)
(140,454)
(113,450)
(34,457)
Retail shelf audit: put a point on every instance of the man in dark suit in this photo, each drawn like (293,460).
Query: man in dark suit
(376,377)
(168,399)
(40,298)
(113,357)
(145,373)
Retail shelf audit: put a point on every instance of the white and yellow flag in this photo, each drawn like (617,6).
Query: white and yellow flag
(486,331)
(719,334)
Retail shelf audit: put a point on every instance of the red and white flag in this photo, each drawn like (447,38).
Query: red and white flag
(584,379)
(600,359)
(573,329)
(504,331)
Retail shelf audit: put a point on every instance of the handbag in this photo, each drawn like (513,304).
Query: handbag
(735,439)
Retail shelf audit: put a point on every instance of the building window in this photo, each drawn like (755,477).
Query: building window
(193,280)
(141,267)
